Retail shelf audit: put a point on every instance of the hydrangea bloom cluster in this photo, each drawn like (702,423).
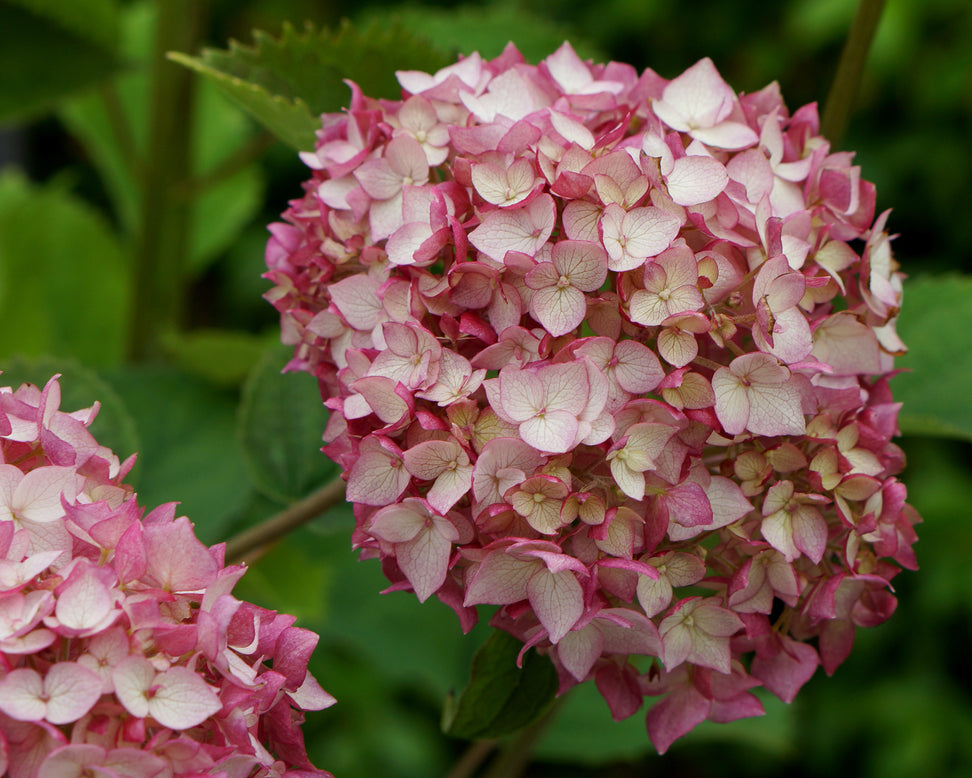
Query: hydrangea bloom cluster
(611,352)
(122,650)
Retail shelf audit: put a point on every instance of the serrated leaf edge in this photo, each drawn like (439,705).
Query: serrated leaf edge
(220,78)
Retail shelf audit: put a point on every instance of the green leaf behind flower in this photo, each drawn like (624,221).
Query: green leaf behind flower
(488,28)
(936,325)
(51,48)
(113,126)
(280,422)
(287,82)
(187,448)
(63,277)
(501,698)
(224,357)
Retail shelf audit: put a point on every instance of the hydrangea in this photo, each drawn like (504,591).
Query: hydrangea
(610,352)
(122,649)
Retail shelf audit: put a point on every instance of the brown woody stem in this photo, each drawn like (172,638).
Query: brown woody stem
(278,525)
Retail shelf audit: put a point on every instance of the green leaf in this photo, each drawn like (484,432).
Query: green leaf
(936,325)
(63,280)
(95,20)
(101,120)
(583,732)
(281,421)
(80,388)
(287,82)
(222,206)
(488,28)
(224,357)
(189,455)
(51,48)
(410,643)
(221,212)
(501,698)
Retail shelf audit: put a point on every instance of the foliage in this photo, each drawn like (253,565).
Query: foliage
(70,224)
(934,386)
(63,46)
(287,83)
(502,697)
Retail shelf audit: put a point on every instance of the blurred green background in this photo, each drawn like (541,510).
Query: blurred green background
(133,203)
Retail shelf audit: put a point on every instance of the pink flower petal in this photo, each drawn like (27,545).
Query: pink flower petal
(558,601)
(579,650)
(523,229)
(182,699)
(21,695)
(695,180)
(86,603)
(425,560)
(132,679)
(553,431)
(72,691)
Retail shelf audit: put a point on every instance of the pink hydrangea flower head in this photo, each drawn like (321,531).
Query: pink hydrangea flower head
(594,344)
(122,649)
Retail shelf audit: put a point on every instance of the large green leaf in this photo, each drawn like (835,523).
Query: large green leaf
(94,20)
(187,431)
(281,421)
(936,325)
(501,698)
(113,127)
(287,82)
(50,48)
(488,28)
(224,357)
(63,279)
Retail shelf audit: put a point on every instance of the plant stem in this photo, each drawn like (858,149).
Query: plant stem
(843,91)
(516,756)
(121,128)
(236,162)
(162,235)
(471,758)
(287,520)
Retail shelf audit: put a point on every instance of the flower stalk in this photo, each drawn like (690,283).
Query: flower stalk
(162,239)
(842,97)
(244,544)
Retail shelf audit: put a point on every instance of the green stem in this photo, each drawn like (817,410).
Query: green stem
(514,759)
(232,165)
(121,128)
(843,91)
(162,235)
(471,758)
(278,525)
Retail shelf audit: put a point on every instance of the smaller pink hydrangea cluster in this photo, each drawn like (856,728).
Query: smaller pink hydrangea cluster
(610,352)
(122,650)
